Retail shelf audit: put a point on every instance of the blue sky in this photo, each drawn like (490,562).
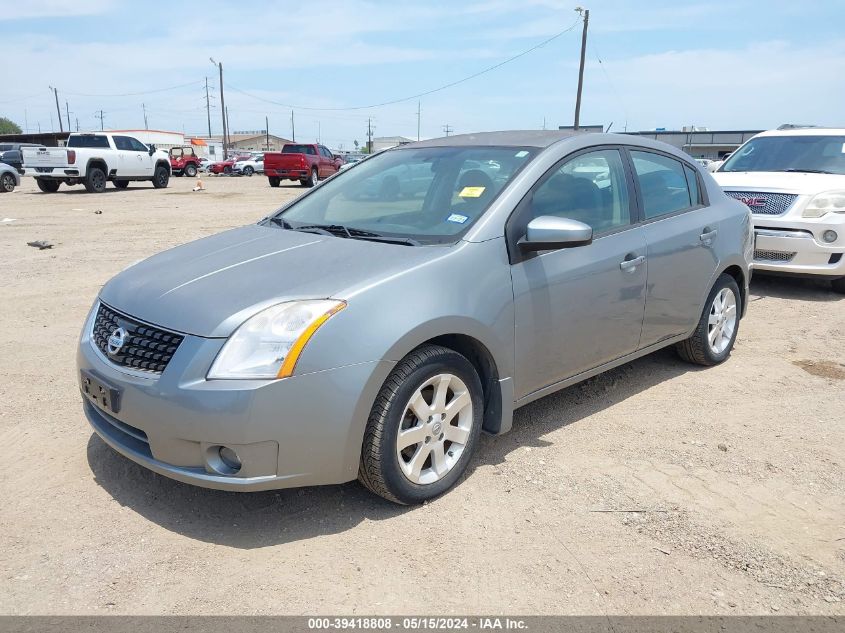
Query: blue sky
(720,64)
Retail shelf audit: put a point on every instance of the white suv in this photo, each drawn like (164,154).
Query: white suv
(794,183)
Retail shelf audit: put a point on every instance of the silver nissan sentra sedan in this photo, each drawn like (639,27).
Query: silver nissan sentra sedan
(375,326)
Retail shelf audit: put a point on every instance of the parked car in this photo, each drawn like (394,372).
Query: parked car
(794,183)
(10,154)
(227,166)
(183,160)
(252,165)
(375,339)
(307,163)
(204,164)
(9,178)
(351,159)
(95,159)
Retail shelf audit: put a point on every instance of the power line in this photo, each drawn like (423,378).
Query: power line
(135,94)
(421,94)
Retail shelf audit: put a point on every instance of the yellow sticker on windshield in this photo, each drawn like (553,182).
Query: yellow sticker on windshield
(472,192)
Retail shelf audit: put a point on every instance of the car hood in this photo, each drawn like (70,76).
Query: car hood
(210,286)
(778,181)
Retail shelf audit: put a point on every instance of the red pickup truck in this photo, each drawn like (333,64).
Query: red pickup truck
(307,163)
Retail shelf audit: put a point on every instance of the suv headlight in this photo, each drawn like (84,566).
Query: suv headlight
(267,345)
(824,203)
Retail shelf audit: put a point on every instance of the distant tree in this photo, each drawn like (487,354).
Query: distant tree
(8,126)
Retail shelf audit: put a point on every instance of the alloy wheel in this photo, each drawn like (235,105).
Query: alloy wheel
(721,323)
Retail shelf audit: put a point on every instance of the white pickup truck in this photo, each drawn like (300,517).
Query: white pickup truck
(92,159)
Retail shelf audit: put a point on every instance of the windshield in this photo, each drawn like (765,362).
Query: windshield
(814,154)
(431,195)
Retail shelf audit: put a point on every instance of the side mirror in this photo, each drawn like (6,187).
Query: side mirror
(549,232)
(152,149)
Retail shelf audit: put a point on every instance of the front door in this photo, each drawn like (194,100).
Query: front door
(579,308)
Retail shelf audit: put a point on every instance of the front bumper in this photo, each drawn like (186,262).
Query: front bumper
(797,247)
(299,431)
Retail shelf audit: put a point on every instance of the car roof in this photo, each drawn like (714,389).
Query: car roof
(510,138)
(806,131)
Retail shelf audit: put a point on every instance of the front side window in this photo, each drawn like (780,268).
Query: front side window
(816,153)
(590,188)
(123,143)
(663,184)
(136,146)
(432,195)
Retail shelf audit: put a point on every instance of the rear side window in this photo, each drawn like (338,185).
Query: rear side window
(663,184)
(692,183)
(96,141)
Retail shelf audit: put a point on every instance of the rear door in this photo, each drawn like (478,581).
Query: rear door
(681,232)
(578,308)
(326,162)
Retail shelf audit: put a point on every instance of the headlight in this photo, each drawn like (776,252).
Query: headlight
(267,345)
(824,203)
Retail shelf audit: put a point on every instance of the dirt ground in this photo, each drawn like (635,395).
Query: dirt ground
(657,488)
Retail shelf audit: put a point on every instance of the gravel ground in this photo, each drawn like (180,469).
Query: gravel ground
(657,488)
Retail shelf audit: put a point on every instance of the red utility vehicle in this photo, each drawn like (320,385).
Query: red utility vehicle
(183,160)
(307,163)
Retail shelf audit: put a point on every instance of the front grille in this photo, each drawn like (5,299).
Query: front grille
(773,256)
(762,203)
(145,348)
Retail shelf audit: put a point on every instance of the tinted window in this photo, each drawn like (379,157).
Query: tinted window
(298,149)
(432,194)
(663,184)
(122,142)
(692,183)
(589,188)
(137,146)
(815,153)
(89,140)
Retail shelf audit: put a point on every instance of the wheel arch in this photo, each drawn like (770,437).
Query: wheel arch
(97,162)
(739,276)
(165,163)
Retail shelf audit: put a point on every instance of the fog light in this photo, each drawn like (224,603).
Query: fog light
(230,458)
(829,236)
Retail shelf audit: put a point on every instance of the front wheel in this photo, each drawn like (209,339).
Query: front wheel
(313,179)
(423,428)
(715,334)
(47,186)
(161,177)
(190,170)
(248,171)
(274,182)
(7,183)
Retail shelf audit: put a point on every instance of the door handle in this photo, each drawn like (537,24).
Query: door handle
(631,264)
(708,236)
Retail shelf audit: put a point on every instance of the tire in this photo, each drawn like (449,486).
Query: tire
(248,171)
(161,177)
(47,186)
(95,180)
(190,170)
(312,180)
(227,169)
(838,285)
(7,183)
(274,182)
(715,334)
(389,472)
(121,184)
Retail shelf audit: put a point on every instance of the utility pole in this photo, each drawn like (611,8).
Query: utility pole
(292,128)
(419,111)
(267,131)
(319,130)
(100,116)
(369,136)
(586,14)
(144,108)
(207,107)
(25,122)
(77,124)
(228,130)
(448,129)
(58,109)
(223,110)
(67,111)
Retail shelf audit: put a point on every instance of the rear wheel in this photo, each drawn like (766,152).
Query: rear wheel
(95,181)
(190,170)
(161,177)
(423,428)
(47,186)
(249,170)
(121,184)
(715,334)
(838,285)
(227,169)
(7,183)
(274,182)
(312,180)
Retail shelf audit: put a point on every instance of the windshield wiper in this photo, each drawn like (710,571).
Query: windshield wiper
(340,230)
(280,221)
(807,171)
